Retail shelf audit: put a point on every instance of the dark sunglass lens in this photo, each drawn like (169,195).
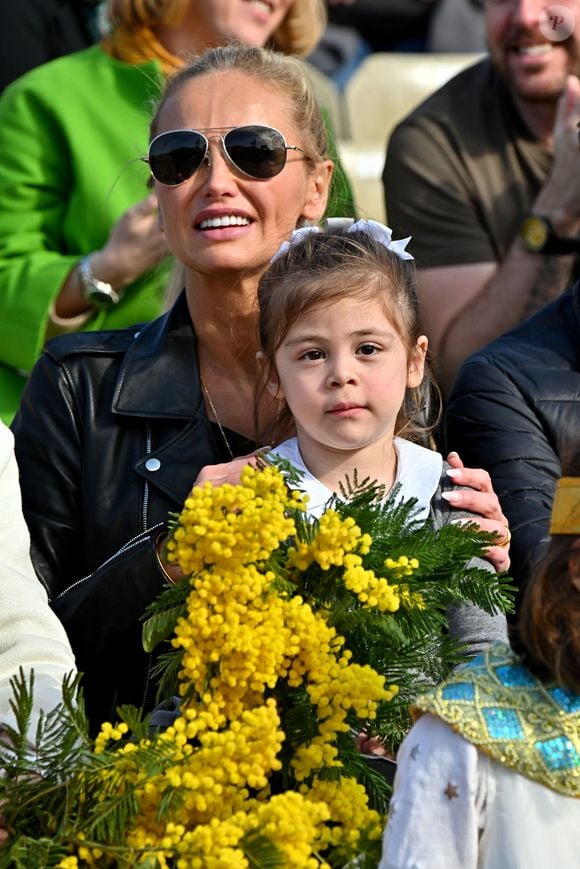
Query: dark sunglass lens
(257,151)
(174,157)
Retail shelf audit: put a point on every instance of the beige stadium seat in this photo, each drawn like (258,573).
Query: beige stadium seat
(387,85)
(382,91)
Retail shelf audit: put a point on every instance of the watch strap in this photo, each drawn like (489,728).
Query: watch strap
(98,293)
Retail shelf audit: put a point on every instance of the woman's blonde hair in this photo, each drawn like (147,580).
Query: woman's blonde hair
(327,267)
(299,32)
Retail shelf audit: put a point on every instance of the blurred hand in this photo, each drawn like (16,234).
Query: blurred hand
(561,193)
(482,500)
(372,745)
(135,244)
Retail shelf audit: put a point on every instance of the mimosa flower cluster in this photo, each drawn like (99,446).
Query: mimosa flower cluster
(245,642)
(284,638)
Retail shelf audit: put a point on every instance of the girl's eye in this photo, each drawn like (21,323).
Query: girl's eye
(312,355)
(368,350)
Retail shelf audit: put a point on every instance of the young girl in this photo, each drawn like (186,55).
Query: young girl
(344,356)
(345,359)
(489,776)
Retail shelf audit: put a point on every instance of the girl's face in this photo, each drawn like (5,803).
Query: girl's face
(343,370)
(250,21)
(265,210)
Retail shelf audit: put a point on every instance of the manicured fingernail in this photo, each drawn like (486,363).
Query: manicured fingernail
(454,473)
(453,455)
(452,497)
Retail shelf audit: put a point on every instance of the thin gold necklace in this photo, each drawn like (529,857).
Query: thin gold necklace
(217,419)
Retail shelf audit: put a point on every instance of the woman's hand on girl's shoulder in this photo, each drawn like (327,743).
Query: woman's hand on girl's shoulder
(480,498)
(228,472)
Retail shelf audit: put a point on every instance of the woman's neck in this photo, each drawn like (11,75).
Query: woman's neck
(225,321)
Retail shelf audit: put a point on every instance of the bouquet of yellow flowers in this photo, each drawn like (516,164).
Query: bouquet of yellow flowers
(287,638)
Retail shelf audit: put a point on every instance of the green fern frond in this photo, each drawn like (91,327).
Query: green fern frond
(260,852)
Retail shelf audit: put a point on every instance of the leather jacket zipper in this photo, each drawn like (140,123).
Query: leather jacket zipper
(144,511)
(131,544)
(145,505)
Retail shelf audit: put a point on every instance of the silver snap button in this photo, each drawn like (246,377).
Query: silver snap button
(152,464)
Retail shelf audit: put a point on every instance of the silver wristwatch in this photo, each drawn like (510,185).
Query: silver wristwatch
(98,293)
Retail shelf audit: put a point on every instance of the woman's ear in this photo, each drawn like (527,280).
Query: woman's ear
(317,191)
(417,362)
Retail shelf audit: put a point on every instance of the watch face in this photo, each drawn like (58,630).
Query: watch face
(102,298)
(534,233)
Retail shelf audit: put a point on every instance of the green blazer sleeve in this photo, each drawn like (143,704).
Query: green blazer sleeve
(71,134)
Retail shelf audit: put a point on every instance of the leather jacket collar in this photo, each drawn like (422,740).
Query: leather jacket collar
(159,377)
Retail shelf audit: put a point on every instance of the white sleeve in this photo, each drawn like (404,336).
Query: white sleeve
(436,809)
(31,636)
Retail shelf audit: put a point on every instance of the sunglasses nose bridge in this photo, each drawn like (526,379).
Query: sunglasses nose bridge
(217,143)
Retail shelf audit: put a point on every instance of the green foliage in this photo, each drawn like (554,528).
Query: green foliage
(260,852)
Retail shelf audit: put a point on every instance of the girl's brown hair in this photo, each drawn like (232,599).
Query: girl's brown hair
(328,267)
(299,32)
(548,631)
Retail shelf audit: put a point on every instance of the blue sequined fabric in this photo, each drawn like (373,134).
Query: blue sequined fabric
(498,705)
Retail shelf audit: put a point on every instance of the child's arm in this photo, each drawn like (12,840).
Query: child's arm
(436,812)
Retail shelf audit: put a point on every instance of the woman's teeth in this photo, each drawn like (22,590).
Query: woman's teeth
(226,220)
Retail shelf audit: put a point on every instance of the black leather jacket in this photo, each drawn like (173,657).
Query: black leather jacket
(513,409)
(110,437)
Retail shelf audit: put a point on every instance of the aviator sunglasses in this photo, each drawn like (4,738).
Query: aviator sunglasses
(256,151)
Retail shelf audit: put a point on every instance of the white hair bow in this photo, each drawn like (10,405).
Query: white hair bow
(378,231)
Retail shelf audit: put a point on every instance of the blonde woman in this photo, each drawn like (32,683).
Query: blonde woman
(80,246)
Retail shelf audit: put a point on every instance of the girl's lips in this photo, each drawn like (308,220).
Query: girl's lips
(346,410)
